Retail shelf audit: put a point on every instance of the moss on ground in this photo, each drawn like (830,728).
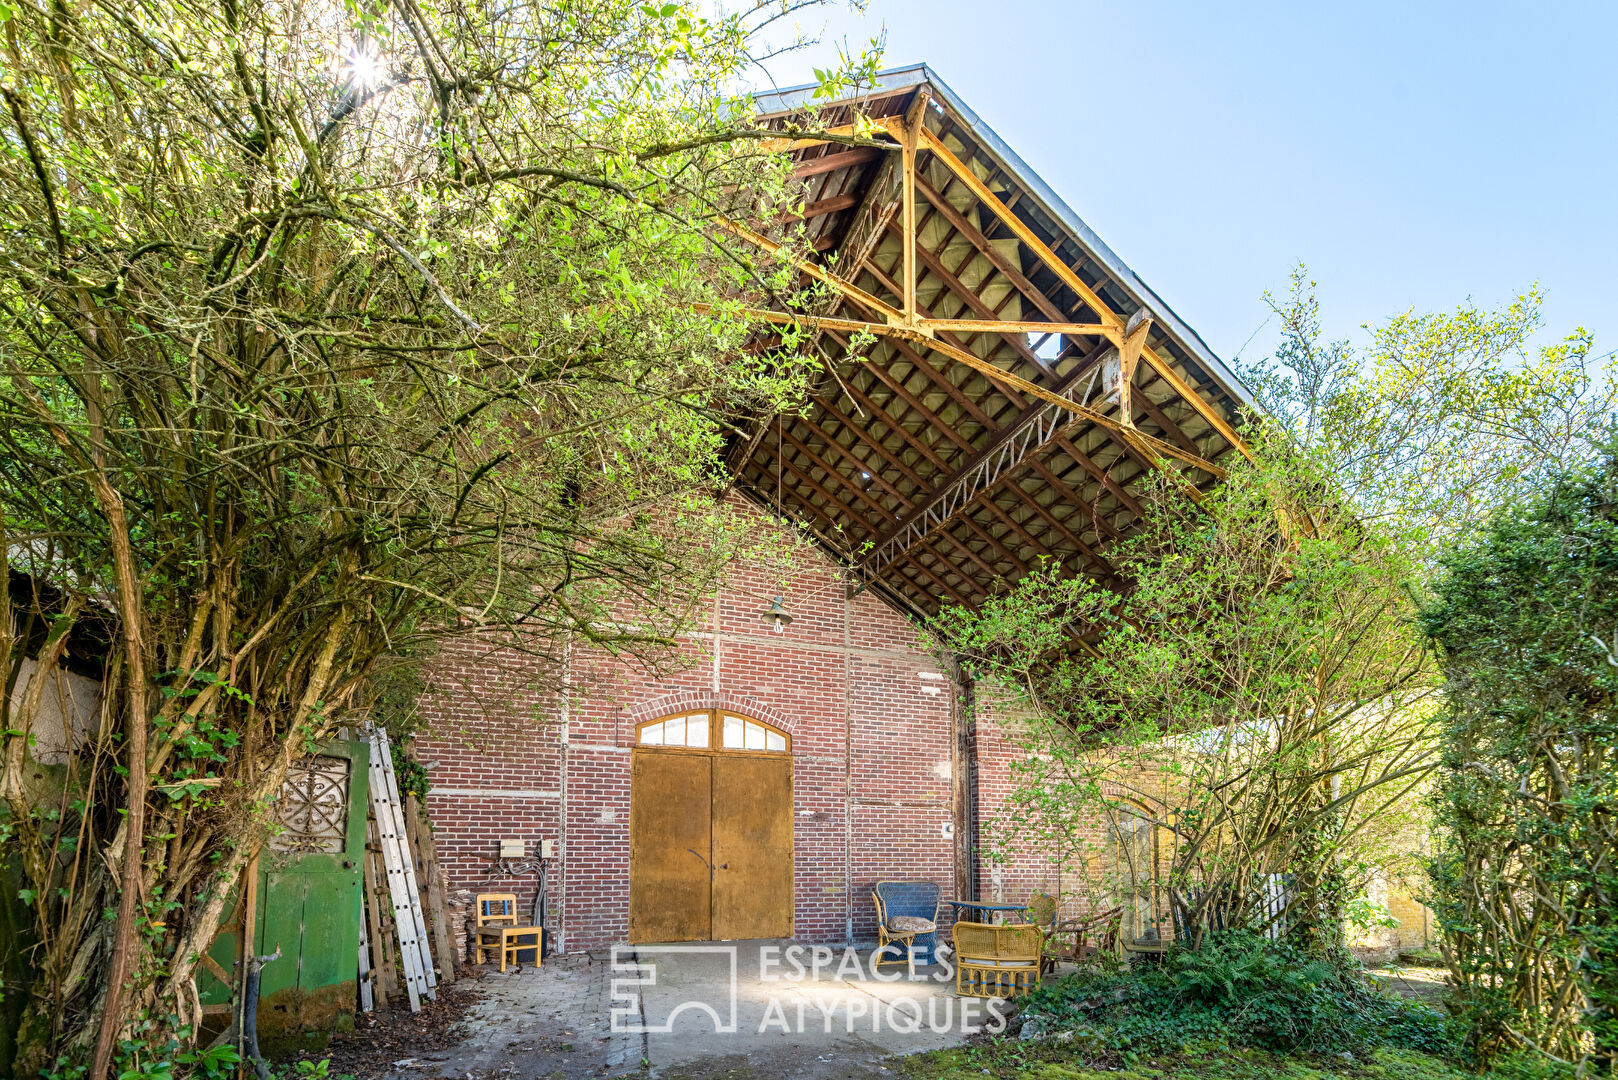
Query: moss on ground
(1047,1061)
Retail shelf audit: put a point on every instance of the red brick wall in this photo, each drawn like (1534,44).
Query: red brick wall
(871,747)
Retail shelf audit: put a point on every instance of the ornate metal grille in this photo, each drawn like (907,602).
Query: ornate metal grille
(314,807)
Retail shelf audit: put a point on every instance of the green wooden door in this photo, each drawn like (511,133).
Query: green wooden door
(309,904)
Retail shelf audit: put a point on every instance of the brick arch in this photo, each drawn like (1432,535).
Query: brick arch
(691,700)
(1151,804)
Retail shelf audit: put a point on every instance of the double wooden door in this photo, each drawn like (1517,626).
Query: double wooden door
(710,846)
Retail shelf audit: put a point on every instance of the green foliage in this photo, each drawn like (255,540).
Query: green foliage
(138,1059)
(1237,990)
(1440,416)
(1258,697)
(329,330)
(1363,913)
(412,775)
(1005,1059)
(1526,875)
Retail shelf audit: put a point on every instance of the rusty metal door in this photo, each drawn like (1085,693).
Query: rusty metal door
(670,846)
(752,846)
(710,846)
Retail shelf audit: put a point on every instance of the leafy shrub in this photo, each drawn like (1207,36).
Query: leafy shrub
(1239,989)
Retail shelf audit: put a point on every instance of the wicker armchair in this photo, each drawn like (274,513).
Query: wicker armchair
(907,916)
(997,961)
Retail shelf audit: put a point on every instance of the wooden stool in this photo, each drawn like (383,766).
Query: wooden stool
(497,929)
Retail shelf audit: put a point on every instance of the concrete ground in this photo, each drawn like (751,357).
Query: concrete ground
(733,1010)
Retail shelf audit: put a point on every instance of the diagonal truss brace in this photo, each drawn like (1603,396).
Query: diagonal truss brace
(1024,441)
(919,137)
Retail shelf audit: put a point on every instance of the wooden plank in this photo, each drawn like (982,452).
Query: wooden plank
(379,911)
(367,976)
(214,968)
(428,846)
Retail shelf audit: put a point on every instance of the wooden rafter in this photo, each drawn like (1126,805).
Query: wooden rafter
(916,430)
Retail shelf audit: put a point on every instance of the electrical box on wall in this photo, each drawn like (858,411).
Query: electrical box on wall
(547,849)
(512,849)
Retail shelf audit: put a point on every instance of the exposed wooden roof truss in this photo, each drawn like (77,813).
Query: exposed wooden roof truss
(1019,391)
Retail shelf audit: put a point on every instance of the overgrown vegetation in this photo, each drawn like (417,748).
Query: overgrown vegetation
(1237,989)
(1252,719)
(1246,742)
(1525,884)
(328,329)
(1007,1059)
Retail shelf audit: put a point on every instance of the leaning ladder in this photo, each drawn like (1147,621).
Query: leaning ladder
(415,960)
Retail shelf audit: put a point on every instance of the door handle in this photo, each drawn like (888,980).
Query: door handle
(705,862)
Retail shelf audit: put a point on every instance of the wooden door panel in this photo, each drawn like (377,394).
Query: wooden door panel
(670,845)
(752,847)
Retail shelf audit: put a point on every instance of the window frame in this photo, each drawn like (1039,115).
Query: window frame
(716,735)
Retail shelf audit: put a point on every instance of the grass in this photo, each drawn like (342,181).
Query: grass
(1008,1059)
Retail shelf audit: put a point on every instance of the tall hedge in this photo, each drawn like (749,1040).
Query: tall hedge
(1526,874)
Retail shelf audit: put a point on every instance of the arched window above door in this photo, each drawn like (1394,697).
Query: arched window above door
(713,729)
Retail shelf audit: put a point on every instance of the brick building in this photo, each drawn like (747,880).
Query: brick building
(1022,382)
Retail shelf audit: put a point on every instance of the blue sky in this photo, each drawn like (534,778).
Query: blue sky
(1412,154)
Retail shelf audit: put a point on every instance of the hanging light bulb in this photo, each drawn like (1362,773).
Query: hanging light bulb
(776,614)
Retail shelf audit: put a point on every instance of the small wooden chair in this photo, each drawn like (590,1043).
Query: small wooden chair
(1077,940)
(997,961)
(497,929)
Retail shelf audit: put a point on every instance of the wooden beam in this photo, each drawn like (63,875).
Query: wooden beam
(1020,229)
(1085,550)
(1064,272)
(1018,342)
(1007,381)
(1074,498)
(1207,410)
(822,207)
(908,135)
(1010,448)
(847,288)
(1158,446)
(958,221)
(1140,324)
(1009,326)
(847,134)
(1103,476)
(881,375)
(876,444)
(826,163)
